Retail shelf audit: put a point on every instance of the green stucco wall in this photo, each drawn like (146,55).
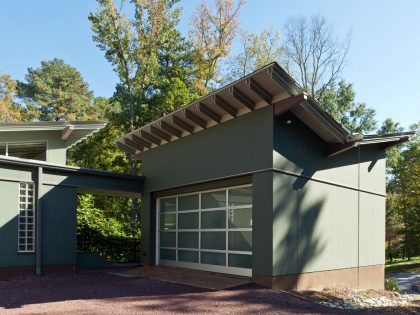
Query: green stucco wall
(310,212)
(239,146)
(58,203)
(317,202)
(56,148)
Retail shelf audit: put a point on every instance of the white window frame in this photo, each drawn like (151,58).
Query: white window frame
(28,204)
(200,266)
(23,142)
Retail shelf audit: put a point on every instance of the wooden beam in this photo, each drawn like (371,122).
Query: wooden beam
(184,125)
(133,144)
(172,130)
(259,90)
(277,77)
(225,106)
(66,132)
(195,119)
(141,141)
(241,97)
(150,137)
(159,133)
(208,112)
(289,103)
(126,148)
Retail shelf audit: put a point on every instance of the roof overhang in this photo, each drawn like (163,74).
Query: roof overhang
(270,85)
(385,141)
(72,132)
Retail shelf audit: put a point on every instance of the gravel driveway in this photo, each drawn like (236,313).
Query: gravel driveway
(100,293)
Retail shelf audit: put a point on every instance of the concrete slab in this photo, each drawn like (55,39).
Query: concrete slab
(195,278)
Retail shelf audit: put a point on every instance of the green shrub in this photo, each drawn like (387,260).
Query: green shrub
(106,235)
(391,284)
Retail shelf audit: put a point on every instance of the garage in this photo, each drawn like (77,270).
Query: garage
(207,230)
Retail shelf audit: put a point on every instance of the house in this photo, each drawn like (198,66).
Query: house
(38,194)
(256,179)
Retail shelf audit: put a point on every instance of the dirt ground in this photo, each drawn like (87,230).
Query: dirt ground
(101,293)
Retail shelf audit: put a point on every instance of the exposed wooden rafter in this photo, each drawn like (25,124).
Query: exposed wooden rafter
(208,112)
(172,130)
(182,124)
(66,132)
(159,133)
(225,106)
(126,148)
(133,144)
(195,119)
(241,97)
(289,103)
(141,141)
(150,137)
(259,90)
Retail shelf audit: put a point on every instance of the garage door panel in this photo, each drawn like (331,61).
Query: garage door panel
(188,256)
(208,230)
(188,202)
(188,221)
(188,240)
(213,219)
(212,258)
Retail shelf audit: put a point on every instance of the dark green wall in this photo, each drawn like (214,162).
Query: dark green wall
(306,205)
(239,146)
(211,157)
(59,204)
(317,202)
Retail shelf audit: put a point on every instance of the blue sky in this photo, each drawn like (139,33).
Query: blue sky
(383,62)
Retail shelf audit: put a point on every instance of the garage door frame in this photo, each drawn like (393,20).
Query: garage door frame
(200,266)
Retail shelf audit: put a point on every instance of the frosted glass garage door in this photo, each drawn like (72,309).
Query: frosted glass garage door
(207,230)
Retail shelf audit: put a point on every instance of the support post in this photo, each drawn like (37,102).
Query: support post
(38,244)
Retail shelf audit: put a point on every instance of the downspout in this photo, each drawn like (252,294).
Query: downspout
(38,244)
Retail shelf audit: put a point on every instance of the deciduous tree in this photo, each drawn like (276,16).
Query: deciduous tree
(315,56)
(10,111)
(257,50)
(212,34)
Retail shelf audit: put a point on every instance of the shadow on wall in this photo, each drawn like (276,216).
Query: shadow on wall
(295,241)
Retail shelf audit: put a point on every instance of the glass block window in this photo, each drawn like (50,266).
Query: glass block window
(26,218)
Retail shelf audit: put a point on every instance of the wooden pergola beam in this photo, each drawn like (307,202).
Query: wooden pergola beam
(159,133)
(259,90)
(150,137)
(182,124)
(130,146)
(195,119)
(208,112)
(141,141)
(225,106)
(241,97)
(172,130)
(289,103)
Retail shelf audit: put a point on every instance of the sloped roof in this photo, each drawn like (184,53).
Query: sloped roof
(270,85)
(72,131)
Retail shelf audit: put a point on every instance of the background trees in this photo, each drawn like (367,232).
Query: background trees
(9,109)
(57,92)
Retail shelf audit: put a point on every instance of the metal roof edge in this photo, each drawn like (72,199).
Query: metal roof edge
(66,168)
